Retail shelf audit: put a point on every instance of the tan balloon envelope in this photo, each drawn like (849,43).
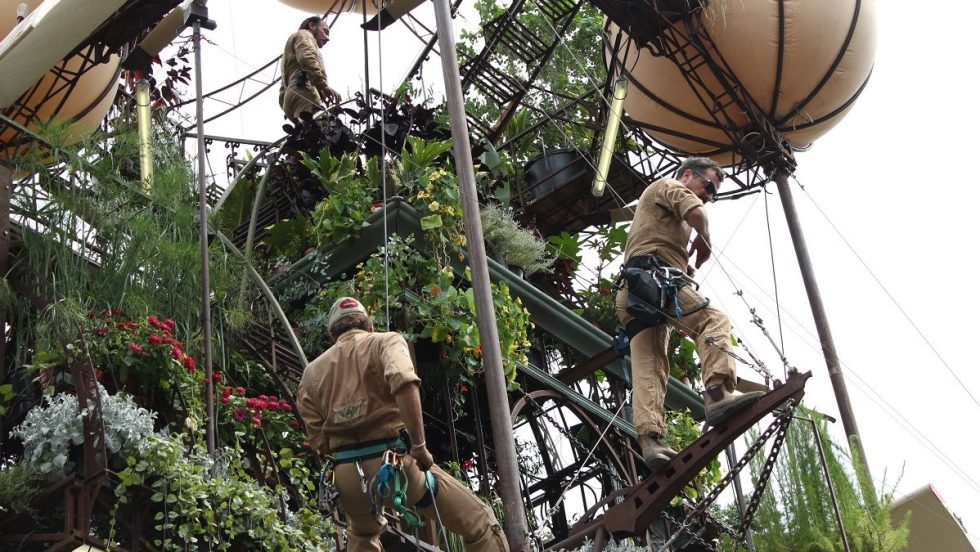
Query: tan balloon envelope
(320,7)
(827,55)
(85,104)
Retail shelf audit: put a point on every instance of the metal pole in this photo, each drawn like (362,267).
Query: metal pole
(6,190)
(515,521)
(830,485)
(781,177)
(739,497)
(203,227)
(144,121)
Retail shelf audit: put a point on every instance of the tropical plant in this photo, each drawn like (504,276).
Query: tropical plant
(200,504)
(512,244)
(343,213)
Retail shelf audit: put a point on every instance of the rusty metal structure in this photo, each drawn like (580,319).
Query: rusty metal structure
(574,431)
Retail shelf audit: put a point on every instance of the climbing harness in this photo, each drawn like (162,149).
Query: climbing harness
(392,482)
(327,495)
(654,292)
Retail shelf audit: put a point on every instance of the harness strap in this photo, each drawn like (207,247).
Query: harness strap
(390,481)
(366,451)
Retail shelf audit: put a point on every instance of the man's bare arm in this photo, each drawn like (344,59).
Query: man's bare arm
(701,246)
(409,403)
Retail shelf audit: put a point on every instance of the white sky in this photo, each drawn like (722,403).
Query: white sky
(895,179)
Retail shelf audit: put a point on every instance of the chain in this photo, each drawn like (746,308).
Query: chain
(684,528)
(757,321)
(777,427)
(759,366)
(763,480)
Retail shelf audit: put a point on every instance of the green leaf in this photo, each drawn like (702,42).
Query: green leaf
(431,221)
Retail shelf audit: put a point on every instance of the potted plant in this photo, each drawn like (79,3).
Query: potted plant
(513,245)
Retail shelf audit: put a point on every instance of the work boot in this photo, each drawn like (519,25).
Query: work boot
(656,453)
(720,404)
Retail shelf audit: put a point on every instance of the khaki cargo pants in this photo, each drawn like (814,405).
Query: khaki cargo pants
(460,510)
(648,354)
(298,99)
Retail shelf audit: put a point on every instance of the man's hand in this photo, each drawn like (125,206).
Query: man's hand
(700,249)
(422,457)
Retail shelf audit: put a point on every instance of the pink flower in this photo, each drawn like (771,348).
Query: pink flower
(169,325)
(240,414)
(189,363)
(176,352)
(104,313)
(225,393)
(257,421)
(155,339)
(101,332)
(240,391)
(91,315)
(135,347)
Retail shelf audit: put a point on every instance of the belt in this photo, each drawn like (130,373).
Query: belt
(370,449)
(644,262)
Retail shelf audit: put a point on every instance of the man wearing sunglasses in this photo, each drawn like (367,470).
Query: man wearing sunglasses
(660,239)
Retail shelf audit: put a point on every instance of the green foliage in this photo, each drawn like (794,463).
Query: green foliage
(796,512)
(18,485)
(513,244)
(575,68)
(197,504)
(343,213)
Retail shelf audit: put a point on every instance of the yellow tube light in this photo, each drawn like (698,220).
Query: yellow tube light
(609,141)
(144,122)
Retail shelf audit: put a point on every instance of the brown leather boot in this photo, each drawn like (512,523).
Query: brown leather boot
(656,453)
(721,404)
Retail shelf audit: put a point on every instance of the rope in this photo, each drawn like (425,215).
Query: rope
(384,166)
(775,281)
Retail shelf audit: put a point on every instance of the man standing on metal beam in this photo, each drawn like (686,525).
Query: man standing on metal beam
(361,406)
(304,85)
(660,293)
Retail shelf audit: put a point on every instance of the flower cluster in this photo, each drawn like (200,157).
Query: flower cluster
(143,351)
(257,411)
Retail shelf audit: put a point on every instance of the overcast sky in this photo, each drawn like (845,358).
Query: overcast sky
(896,180)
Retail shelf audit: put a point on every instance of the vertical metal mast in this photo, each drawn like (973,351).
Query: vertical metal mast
(197,14)
(515,521)
(781,177)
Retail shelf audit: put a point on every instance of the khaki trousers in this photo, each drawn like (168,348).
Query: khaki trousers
(460,510)
(648,352)
(298,99)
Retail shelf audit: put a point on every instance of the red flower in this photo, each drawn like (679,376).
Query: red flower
(294,423)
(104,313)
(91,315)
(122,325)
(169,325)
(225,400)
(117,312)
(240,391)
(467,464)
(257,421)
(176,352)
(435,290)
(225,393)
(154,320)
(240,414)
(216,377)
(463,388)
(135,347)
(478,350)
(101,332)
(189,363)
(155,339)
(286,407)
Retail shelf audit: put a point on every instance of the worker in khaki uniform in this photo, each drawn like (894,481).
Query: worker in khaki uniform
(304,80)
(666,213)
(355,399)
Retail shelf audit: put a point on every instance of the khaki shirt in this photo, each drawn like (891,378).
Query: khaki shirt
(302,55)
(347,394)
(659,227)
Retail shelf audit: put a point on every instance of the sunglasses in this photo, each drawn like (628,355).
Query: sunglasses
(711,187)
